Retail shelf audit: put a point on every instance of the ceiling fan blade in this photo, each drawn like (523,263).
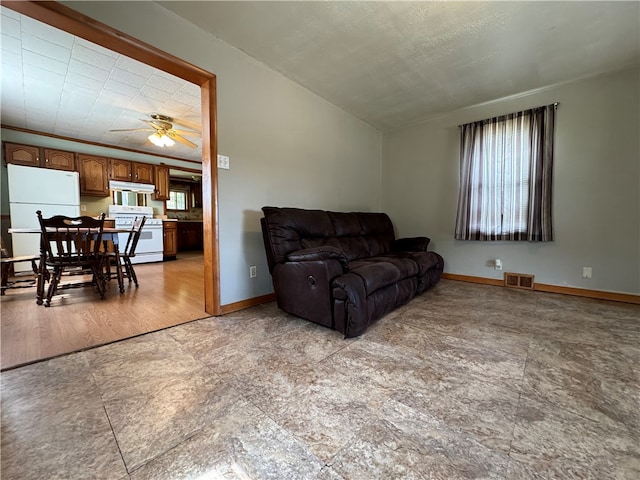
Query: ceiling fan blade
(191,125)
(185,133)
(171,134)
(150,123)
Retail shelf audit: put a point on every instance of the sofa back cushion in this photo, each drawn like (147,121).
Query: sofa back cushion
(358,234)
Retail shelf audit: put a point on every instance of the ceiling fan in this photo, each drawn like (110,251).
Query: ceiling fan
(163,132)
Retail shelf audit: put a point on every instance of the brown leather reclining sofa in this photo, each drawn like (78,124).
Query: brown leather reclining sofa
(344,270)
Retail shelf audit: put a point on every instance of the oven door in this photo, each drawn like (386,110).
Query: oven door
(150,244)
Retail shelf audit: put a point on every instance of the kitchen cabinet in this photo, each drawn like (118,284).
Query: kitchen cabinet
(142,172)
(189,235)
(39,157)
(59,160)
(161,182)
(170,234)
(128,171)
(196,191)
(21,155)
(94,175)
(120,170)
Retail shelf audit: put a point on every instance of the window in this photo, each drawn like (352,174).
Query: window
(177,200)
(505,177)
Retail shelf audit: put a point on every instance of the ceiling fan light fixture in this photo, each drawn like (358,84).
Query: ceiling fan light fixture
(161,140)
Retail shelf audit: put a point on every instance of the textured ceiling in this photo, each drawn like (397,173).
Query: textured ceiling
(56,83)
(393,64)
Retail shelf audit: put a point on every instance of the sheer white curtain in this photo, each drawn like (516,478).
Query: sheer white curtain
(506,168)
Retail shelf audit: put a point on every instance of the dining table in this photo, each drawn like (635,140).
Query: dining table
(109,239)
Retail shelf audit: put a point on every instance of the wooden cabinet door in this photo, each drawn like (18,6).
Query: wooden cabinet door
(197,195)
(170,238)
(190,236)
(21,154)
(143,173)
(120,169)
(59,160)
(161,183)
(94,177)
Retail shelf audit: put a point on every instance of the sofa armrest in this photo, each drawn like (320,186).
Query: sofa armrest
(413,244)
(320,253)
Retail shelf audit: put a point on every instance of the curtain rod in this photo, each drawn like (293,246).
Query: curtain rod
(555,107)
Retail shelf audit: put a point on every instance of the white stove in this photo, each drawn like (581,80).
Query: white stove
(150,245)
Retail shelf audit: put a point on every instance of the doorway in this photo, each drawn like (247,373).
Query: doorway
(68,20)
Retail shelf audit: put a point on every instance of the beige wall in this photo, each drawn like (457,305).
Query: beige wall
(596,187)
(287,146)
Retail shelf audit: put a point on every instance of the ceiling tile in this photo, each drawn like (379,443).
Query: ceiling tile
(129,78)
(165,84)
(43,62)
(140,69)
(113,85)
(91,56)
(10,24)
(35,28)
(155,94)
(46,49)
(11,44)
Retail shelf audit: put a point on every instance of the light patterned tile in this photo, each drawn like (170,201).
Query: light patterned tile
(598,383)
(477,409)
(240,443)
(404,444)
(551,443)
(54,424)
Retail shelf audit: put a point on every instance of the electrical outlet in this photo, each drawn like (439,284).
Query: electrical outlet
(83,208)
(498,264)
(253,271)
(587,272)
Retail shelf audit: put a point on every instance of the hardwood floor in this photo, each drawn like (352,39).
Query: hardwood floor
(170,293)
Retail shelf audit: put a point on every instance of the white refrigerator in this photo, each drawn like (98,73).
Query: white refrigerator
(54,192)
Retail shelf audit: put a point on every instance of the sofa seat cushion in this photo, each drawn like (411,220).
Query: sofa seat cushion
(382,271)
(424,260)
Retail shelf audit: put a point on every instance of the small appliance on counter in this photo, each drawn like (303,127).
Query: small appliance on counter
(150,245)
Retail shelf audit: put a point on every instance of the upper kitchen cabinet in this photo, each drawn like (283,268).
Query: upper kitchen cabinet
(94,175)
(128,171)
(59,160)
(120,170)
(143,172)
(21,154)
(161,183)
(39,157)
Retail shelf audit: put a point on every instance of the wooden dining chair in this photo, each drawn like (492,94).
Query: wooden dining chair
(73,245)
(7,261)
(130,249)
(125,265)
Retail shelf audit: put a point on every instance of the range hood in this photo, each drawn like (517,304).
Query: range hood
(131,187)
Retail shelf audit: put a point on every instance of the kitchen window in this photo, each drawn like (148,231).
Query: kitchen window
(506,177)
(178,200)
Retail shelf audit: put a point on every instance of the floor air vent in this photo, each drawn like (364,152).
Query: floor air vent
(519,280)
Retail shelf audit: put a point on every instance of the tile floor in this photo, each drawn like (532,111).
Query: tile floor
(466,381)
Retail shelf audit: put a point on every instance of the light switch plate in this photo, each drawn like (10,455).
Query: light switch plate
(223,162)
